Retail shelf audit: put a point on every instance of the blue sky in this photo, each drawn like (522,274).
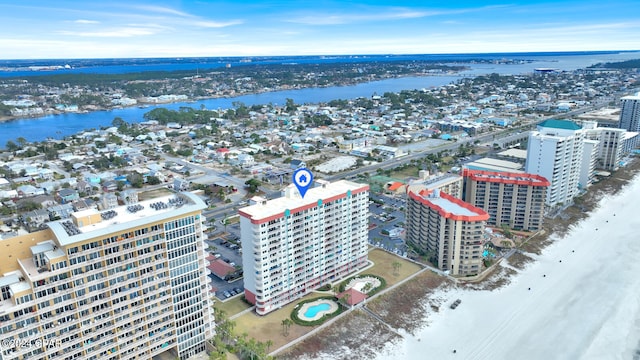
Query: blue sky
(170,28)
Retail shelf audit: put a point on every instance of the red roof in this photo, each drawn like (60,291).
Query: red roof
(395,186)
(220,268)
(506,177)
(355,296)
(211,258)
(223,150)
(481,215)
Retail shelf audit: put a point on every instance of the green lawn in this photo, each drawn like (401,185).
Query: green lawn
(233,306)
(269,327)
(384,266)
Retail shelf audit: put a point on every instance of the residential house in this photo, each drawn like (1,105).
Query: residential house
(109,185)
(297,164)
(36,217)
(68,195)
(109,201)
(63,211)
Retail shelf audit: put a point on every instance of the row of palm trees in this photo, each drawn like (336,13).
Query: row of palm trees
(226,341)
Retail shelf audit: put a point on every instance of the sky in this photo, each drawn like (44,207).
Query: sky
(63,29)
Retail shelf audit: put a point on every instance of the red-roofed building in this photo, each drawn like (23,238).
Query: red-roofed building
(448,228)
(354,296)
(512,199)
(221,269)
(395,186)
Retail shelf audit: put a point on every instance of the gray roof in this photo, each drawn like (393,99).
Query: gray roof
(65,239)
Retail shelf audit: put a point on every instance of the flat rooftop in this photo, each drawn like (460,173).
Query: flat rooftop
(451,207)
(506,177)
(489,164)
(514,153)
(124,217)
(292,200)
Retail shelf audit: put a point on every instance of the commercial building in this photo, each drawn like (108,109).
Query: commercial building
(512,199)
(630,113)
(448,229)
(293,245)
(127,283)
(449,183)
(555,152)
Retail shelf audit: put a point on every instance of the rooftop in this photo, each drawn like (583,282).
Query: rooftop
(489,164)
(93,223)
(449,206)
(293,202)
(560,124)
(506,177)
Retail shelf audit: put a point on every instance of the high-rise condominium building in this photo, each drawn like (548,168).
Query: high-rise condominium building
(292,245)
(630,113)
(555,152)
(126,283)
(448,229)
(514,200)
(611,144)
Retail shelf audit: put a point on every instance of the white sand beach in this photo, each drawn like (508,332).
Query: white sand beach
(583,302)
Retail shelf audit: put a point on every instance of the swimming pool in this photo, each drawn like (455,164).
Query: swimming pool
(312,311)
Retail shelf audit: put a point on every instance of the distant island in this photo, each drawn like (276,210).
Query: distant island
(629,64)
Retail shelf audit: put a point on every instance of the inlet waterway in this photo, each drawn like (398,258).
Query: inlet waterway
(59,126)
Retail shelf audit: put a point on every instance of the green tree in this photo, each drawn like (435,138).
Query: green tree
(153,180)
(253,185)
(12,146)
(136,180)
(22,142)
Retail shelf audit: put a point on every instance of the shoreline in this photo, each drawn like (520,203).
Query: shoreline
(430,303)
(204,98)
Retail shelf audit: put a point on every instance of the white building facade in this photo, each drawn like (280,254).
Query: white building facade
(630,113)
(555,152)
(293,245)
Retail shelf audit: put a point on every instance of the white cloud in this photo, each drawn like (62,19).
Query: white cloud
(83,21)
(328,19)
(216,24)
(114,33)
(162,10)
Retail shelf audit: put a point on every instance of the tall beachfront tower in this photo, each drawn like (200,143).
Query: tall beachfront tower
(512,199)
(292,245)
(555,152)
(448,229)
(126,283)
(630,113)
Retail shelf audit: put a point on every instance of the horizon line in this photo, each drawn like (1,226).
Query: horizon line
(329,55)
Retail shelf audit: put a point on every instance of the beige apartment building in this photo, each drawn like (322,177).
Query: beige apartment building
(448,229)
(126,283)
(512,199)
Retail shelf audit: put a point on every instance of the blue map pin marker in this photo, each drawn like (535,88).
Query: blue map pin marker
(302,179)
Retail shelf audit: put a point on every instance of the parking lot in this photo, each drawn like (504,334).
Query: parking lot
(227,251)
(387,215)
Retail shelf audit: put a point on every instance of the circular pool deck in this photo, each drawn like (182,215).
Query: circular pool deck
(333,307)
